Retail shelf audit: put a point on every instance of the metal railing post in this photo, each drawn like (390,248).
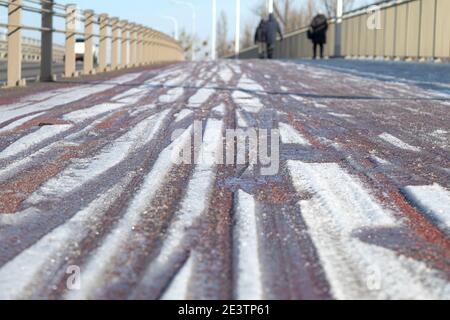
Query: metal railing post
(14,44)
(102,63)
(47,41)
(70,64)
(151,47)
(144,45)
(124,44)
(133,44)
(139,44)
(338,29)
(434,28)
(158,48)
(147,46)
(115,43)
(88,60)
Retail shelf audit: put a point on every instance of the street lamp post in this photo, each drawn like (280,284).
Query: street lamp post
(238,29)
(175,25)
(214,30)
(270,6)
(338,33)
(194,22)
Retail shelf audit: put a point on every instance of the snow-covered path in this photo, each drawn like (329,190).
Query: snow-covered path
(92,177)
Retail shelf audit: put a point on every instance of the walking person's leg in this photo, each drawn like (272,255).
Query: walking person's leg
(270,48)
(321,50)
(314,50)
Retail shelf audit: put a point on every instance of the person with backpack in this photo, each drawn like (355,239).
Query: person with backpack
(272,30)
(260,38)
(317,33)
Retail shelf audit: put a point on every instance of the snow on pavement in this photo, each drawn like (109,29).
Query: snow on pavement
(351,214)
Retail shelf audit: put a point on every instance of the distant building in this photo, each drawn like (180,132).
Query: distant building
(31,50)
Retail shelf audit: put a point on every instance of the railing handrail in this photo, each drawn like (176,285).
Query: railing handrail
(140,45)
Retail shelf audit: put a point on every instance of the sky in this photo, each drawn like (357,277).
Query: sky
(152,12)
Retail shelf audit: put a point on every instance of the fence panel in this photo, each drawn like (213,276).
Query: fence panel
(442,29)
(380,35)
(413,29)
(296,45)
(362,40)
(400,30)
(370,37)
(390,32)
(427,28)
(329,48)
(353,27)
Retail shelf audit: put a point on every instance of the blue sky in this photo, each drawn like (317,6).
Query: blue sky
(151,12)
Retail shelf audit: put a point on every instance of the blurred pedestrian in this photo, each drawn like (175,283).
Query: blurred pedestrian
(317,33)
(272,29)
(260,38)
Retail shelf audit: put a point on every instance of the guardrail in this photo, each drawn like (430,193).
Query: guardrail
(139,45)
(410,29)
(31,50)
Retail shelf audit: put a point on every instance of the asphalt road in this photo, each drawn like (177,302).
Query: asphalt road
(353,202)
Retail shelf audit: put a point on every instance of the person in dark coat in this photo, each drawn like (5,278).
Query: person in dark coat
(272,29)
(260,38)
(318,33)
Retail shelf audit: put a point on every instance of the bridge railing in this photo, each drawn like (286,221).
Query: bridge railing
(138,45)
(408,29)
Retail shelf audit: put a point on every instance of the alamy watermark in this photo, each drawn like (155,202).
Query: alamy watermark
(74,280)
(374,19)
(249,146)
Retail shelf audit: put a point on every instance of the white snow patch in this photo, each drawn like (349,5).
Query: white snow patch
(396,142)
(442,137)
(33,139)
(14,167)
(179,288)
(85,114)
(241,122)
(298,98)
(20,122)
(247,102)
(220,110)
(236,68)
(340,115)
(183,114)
(172,95)
(200,97)
(291,136)
(70,95)
(131,96)
(83,170)
(248,274)
(226,74)
(178,80)
(248,84)
(320,106)
(22,272)
(341,209)
(105,254)
(379,160)
(195,201)
(434,201)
